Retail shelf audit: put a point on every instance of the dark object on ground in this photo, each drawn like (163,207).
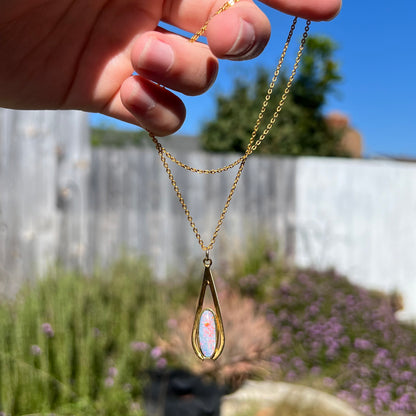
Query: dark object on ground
(180,393)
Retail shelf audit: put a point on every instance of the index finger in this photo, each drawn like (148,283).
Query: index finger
(308,9)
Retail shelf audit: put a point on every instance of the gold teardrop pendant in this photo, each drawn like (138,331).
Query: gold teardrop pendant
(208,337)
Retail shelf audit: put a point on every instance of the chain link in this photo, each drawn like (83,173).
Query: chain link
(203,29)
(250,147)
(253,143)
(186,209)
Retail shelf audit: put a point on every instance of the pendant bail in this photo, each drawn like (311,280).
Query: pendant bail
(207,260)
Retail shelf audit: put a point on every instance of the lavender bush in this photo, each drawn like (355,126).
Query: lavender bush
(342,338)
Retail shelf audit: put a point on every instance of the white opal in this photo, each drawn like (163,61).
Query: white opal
(207,333)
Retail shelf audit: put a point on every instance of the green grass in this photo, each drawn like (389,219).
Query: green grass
(66,342)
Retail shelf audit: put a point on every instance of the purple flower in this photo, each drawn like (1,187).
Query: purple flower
(139,346)
(381,357)
(276,359)
(315,370)
(403,404)
(112,372)
(365,394)
(35,350)
(304,279)
(323,319)
(331,353)
(400,390)
(382,395)
(291,376)
(365,409)
(272,318)
(401,362)
(329,382)
(285,339)
(346,396)
(388,363)
(362,344)
(109,382)
(48,330)
(161,363)
(345,340)
(298,363)
(364,371)
(353,357)
(406,376)
(316,346)
(156,352)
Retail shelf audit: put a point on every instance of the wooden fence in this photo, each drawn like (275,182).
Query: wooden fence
(62,200)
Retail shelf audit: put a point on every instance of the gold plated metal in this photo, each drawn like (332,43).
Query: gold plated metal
(208,336)
(217,336)
(252,146)
(255,143)
(203,29)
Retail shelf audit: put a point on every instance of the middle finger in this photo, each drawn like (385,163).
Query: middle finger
(172,61)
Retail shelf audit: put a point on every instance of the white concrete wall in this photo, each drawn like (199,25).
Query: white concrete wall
(359,216)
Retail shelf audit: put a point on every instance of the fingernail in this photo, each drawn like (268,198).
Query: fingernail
(140,99)
(156,56)
(245,40)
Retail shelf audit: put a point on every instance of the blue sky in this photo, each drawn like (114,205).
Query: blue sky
(377,58)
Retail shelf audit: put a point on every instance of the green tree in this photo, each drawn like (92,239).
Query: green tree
(300,129)
(111,137)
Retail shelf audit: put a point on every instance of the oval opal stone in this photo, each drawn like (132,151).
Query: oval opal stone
(207,333)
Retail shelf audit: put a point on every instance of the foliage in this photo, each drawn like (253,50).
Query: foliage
(72,344)
(107,136)
(340,337)
(259,271)
(248,341)
(76,345)
(301,127)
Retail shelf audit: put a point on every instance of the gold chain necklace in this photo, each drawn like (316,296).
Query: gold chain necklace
(208,336)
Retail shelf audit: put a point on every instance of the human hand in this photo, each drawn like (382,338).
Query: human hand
(78,54)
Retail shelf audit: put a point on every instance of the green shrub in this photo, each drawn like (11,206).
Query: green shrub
(75,344)
(339,337)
